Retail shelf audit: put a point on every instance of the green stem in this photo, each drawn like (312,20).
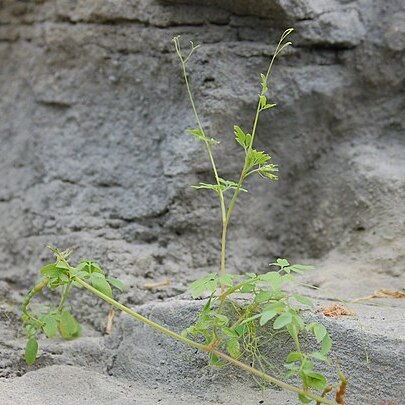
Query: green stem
(64,296)
(200,127)
(244,173)
(211,157)
(37,288)
(205,348)
(139,317)
(298,348)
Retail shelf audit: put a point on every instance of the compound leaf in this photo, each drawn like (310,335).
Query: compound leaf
(255,158)
(281,263)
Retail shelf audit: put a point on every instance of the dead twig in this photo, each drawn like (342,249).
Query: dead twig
(161,284)
(110,319)
(382,293)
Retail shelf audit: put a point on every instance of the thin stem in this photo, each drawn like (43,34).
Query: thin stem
(200,127)
(256,120)
(244,173)
(24,307)
(64,296)
(298,348)
(206,348)
(139,317)
(209,150)
(223,246)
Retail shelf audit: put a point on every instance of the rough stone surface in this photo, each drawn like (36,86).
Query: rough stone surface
(65,385)
(94,155)
(371,340)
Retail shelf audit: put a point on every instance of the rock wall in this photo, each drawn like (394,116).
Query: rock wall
(94,155)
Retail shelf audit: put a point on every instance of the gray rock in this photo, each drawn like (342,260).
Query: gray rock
(65,385)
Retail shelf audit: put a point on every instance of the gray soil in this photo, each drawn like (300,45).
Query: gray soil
(94,157)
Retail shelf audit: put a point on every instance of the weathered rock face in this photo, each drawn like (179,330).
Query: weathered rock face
(94,154)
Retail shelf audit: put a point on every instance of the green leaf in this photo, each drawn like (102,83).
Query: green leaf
(233,348)
(299,322)
(316,380)
(243,139)
(229,184)
(251,318)
(200,136)
(320,332)
(224,320)
(100,283)
(115,282)
(229,332)
(303,300)
(255,158)
(292,366)
(267,106)
(273,278)
(68,326)
(240,330)
(63,278)
(82,266)
(208,283)
(298,267)
(268,171)
(83,274)
(89,266)
(263,101)
(267,316)
(304,399)
(196,132)
(278,306)
(281,263)
(31,350)
(326,344)
(96,267)
(50,271)
(294,356)
(320,356)
(307,366)
(247,288)
(214,360)
(282,320)
(51,325)
(263,83)
(62,265)
(263,296)
(292,329)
